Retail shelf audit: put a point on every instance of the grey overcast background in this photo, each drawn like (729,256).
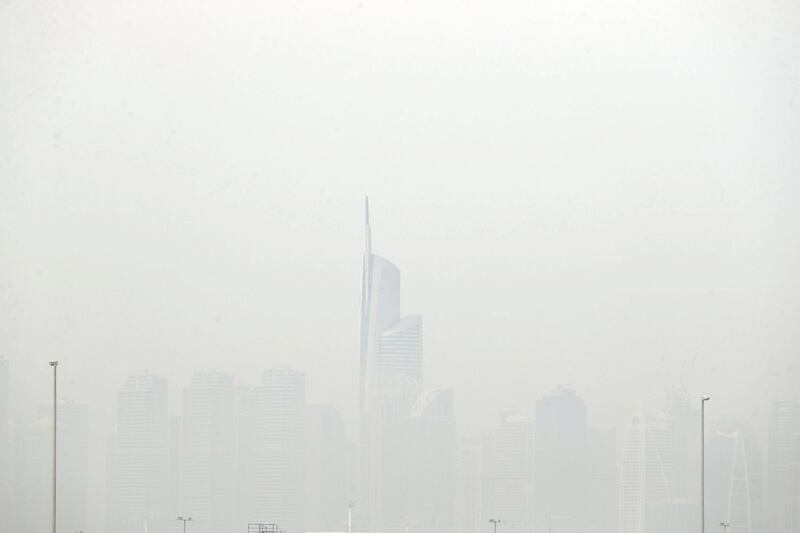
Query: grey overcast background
(602,194)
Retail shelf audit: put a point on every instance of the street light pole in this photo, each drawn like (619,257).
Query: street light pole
(184,520)
(494,521)
(349,517)
(725,526)
(54,364)
(703,401)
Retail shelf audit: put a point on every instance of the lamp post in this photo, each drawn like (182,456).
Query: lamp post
(703,401)
(349,517)
(54,364)
(495,521)
(184,520)
(725,526)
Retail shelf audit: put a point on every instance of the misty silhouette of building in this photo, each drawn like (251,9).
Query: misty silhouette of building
(400,350)
(208,451)
(561,454)
(175,463)
(390,381)
(661,469)
(603,496)
(472,485)
(428,461)
(32,471)
(326,461)
(734,479)
(645,492)
(272,451)
(139,459)
(783,482)
(73,467)
(682,416)
(32,475)
(510,472)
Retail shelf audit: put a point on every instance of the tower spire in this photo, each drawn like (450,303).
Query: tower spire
(367,229)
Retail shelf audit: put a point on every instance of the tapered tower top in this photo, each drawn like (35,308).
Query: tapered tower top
(367,229)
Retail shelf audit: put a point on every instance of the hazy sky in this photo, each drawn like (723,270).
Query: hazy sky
(596,193)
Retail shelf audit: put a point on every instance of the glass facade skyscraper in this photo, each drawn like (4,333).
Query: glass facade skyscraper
(139,462)
(390,380)
(208,452)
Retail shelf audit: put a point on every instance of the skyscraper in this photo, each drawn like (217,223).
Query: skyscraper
(73,466)
(209,452)
(400,350)
(510,472)
(681,417)
(175,463)
(745,501)
(471,486)
(645,492)
(139,462)
(272,451)
(783,489)
(603,504)
(561,453)
(734,479)
(428,463)
(33,473)
(326,469)
(33,443)
(390,380)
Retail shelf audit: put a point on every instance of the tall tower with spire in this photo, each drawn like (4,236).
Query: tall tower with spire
(390,380)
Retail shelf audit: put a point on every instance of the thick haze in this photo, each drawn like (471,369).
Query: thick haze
(595,193)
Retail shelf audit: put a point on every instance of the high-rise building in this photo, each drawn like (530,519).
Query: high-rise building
(682,418)
(272,451)
(472,486)
(645,492)
(208,450)
(783,482)
(326,469)
(390,380)
(400,350)
(32,474)
(33,471)
(603,505)
(661,469)
(73,466)
(510,472)
(428,464)
(561,453)
(139,460)
(175,463)
(734,479)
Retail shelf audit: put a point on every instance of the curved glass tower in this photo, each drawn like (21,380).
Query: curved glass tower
(390,379)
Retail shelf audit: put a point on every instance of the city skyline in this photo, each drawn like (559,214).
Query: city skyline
(649,480)
(227,478)
(399,267)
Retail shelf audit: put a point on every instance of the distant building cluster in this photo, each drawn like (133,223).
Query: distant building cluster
(243,455)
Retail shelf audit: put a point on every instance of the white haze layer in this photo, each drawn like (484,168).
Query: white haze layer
(595,193)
